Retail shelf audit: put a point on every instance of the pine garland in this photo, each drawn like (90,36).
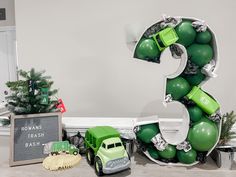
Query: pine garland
(228,120)
(26,94)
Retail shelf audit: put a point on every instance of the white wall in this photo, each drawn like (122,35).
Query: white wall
(82,45)
(10,12)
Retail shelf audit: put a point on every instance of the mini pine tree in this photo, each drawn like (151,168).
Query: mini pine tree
(228,120)
(32,94)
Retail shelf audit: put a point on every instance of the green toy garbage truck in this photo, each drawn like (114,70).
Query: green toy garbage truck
(165,38)
(58,147)
(105,149)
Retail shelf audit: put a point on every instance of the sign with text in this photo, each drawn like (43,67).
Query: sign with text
(29,133)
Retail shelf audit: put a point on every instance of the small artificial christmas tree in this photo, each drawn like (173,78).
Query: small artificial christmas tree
(32,94)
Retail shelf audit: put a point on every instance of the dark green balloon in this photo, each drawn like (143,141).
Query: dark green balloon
(147,50)
(147,132)
(187,157)
(153,152)
(203,135)
(186,33)
(195,79)
(168,153)
(195,113)
(200,54)
(177,87)
(203,37)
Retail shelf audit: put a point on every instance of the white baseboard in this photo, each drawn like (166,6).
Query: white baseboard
(5,131)
(81,124)
(74,124)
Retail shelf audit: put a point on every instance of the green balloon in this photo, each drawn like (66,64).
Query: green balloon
(187,157)
(177,87)
(195,113)
(200,54)
(203,135)
(147,132)
(186,33)
(195,79)
(147,50)
(153,152)
(168,153)
(204,37)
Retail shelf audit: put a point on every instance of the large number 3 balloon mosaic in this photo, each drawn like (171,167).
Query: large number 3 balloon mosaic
(193,39)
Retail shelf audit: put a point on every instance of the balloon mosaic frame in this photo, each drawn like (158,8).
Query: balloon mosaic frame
(168,100)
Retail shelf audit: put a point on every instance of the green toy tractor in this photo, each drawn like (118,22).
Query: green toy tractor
(203,100)
(165,38)
(149,49)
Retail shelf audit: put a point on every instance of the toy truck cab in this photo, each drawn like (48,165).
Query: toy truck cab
(73,150)
(165,38)
(105,149)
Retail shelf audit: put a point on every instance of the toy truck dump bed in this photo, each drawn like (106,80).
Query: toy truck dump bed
(95,136)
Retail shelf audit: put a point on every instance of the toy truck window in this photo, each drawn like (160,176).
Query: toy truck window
(103,145)
(118,144)
(159,41)
(109,146)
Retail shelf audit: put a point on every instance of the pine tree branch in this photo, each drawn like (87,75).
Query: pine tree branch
(24,74)
(228,120)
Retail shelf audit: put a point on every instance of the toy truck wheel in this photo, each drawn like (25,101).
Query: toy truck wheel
(54,153)
(75,153)
(90,156)
(98,166)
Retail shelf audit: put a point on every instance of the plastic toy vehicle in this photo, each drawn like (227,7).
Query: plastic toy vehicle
(58,147)
(165,38)
(203,100)
(105,149)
